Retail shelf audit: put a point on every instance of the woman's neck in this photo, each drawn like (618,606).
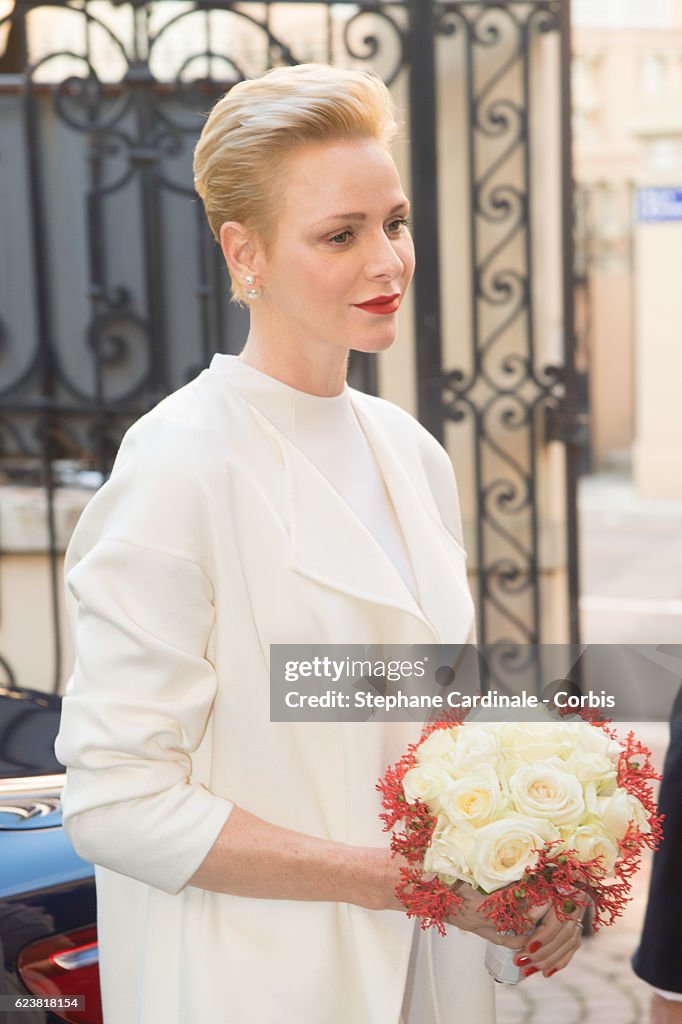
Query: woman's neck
(319,373)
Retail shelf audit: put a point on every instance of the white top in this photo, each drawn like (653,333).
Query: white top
(327,431)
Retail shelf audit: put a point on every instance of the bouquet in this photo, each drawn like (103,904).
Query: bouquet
(531,814)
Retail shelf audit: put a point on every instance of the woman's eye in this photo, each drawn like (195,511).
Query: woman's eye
(394,227)
(402,222)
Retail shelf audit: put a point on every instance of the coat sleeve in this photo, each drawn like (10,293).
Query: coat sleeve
(139,702)
(134,712)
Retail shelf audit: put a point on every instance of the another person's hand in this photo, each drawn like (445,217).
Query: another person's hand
(552,944)
(665,1011)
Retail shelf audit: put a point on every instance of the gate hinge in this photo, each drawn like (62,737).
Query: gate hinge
(567,423)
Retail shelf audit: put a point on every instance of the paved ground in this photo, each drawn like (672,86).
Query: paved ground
(631,562)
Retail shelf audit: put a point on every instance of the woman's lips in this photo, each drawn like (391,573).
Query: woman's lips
(382,306)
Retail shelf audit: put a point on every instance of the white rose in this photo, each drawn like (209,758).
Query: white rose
(592,841)
(536,741)
(450,851)
(424,783)
(594,740)
(617,811)
(436,746)
(476,745)
(543,790)
(589,766)
(477,798)
(505,848)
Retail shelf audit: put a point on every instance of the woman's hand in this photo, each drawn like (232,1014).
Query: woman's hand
(548,948)
(470,919)
(552,944)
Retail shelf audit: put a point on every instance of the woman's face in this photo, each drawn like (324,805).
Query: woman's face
(341,240)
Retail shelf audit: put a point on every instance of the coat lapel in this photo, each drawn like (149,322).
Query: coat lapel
(332,546)
(439,561)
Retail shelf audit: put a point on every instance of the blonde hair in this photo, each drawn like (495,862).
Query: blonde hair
(239,158)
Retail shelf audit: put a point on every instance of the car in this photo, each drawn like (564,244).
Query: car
(48,931)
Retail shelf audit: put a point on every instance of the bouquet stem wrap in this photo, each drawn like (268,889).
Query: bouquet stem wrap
(499,961)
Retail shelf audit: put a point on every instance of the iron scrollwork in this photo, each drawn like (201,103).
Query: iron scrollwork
(124,292)
(505,390)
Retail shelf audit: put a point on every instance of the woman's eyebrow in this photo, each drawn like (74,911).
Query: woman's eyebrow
(362,216)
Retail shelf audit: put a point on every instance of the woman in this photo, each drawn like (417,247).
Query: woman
(242,874)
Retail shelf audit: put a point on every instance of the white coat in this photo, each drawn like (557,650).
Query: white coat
(214,538)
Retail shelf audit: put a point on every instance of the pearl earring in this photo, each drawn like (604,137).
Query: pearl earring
(252,293)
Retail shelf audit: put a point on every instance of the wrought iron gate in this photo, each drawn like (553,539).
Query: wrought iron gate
(114,293)
(517,398)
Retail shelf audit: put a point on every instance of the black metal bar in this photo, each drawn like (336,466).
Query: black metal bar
(48,374)
(532,448)
(424,165)
(152,246)
(97,255)
(475,329)
(55,575)
(567,214)
(204,290)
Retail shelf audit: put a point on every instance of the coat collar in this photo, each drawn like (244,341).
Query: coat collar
(332,546)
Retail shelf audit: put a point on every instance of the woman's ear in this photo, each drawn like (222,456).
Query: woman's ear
(238,250)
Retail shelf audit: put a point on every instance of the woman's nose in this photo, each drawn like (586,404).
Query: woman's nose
(383,260)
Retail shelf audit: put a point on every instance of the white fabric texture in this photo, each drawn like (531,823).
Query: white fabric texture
(215,537)
(327,430)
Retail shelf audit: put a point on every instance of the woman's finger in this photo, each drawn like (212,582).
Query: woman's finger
(557,950)
(510,941)
(537,913)
(547,930)
(559,965)
(560,951)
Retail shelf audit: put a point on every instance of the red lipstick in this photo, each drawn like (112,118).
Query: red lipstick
(380,304)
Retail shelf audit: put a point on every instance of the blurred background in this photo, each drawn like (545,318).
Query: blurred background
(541,340)
(542,147)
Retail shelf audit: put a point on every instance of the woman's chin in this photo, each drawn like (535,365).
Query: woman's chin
(375,344)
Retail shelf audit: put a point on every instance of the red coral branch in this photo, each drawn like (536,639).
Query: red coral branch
(558,877)
(430,901)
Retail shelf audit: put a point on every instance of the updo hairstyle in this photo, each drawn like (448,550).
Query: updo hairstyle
(239,162)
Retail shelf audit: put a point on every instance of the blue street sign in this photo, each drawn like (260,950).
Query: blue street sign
(659,204)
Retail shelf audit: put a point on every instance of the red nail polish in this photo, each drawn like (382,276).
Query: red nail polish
(553,971)
(520,961)
(528,971)
(534,946)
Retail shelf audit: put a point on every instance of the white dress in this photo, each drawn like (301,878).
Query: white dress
(240,513)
